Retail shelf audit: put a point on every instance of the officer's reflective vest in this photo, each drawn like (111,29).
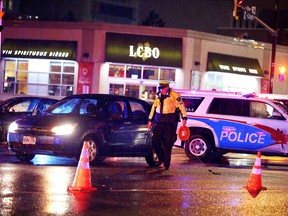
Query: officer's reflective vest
(166,108)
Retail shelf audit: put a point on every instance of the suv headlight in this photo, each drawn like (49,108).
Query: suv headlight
(66,129)
(13,127)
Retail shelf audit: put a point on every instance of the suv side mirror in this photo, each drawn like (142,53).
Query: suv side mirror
(276,115)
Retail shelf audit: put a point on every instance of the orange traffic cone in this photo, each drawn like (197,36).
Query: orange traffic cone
(254,185)
(82,180)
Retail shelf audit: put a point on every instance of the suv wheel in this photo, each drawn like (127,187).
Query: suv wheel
(198,147)
(24,157)
(152,159)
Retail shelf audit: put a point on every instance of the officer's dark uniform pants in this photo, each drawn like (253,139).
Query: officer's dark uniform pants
(164,136)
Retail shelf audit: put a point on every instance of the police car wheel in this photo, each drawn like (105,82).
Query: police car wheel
(199,147)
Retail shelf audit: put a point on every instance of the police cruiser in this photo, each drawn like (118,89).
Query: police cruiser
(231,122)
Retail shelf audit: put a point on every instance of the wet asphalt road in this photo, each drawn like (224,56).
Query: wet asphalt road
(127,186)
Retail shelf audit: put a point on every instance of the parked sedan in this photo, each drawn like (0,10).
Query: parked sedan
(113,125)
(18,107)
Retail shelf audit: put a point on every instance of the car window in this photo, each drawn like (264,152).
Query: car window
(227,106)
(89,106)
(283,107)
(67,106)
(117,110)
(192,103)
(47,103)
(258,110)
(44,104)
(262,110)
(24,106)
(138,111)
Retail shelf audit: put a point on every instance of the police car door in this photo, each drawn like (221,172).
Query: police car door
(227,117)
(268,128)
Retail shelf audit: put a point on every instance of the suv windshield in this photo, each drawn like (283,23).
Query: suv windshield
(282,106)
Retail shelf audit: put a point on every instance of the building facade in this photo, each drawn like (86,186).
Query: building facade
(57,59)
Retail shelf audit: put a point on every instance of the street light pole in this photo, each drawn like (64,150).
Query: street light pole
(272,67)
(250,15)
(274,35)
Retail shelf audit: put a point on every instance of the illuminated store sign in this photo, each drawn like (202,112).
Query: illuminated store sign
(144,52)
(139,49)
(20,48)
(234,64)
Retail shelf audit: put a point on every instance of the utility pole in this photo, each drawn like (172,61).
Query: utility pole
(1,26)
(274,35)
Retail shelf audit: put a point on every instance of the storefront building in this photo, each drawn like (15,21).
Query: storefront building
(59,59)
(136,63)
(39,67)
(223,70)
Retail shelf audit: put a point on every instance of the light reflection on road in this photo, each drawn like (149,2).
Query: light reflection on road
(128,183)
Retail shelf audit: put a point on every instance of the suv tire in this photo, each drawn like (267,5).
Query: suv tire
(199,147)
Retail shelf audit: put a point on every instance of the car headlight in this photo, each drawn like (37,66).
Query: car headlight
(63,129)
(13,127)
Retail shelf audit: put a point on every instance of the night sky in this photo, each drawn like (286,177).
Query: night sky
(198,15)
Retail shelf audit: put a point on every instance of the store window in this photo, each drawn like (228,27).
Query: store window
(231,82)
(148,92)
(116,70)
(39,77)
(15,77)
(133,72)
(61,78)
(138,81)
(167,74)
(117,89)
(132,90)
(150,73)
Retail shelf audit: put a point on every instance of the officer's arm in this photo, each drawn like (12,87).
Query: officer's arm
(151,115)
(182,109)
(180,105)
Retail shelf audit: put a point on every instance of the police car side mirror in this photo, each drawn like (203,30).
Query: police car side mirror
(277,115)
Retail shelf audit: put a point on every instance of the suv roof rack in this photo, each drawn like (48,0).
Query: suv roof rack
(207,91)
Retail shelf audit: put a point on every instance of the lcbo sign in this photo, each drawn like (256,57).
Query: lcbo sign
(144,51)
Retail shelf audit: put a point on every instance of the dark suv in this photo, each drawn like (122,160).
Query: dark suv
(114,126)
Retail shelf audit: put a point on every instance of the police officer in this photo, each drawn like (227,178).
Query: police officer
(165,117)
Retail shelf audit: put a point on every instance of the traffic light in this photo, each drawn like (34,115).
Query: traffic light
(282,71)
(1,15)
(237,9)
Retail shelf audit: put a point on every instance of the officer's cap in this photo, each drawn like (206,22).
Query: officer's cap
(163,84)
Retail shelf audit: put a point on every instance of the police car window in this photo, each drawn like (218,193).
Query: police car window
(192,103)
(261,110)
(281,106)
(227,106)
